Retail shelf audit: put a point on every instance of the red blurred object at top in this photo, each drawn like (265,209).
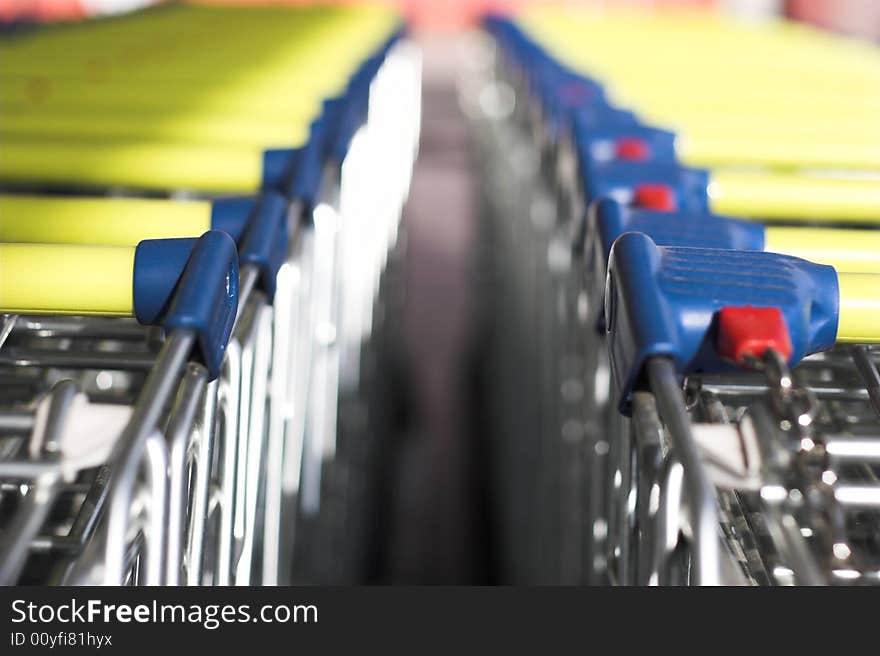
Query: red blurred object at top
(858,17)
(40,10)
(432,14)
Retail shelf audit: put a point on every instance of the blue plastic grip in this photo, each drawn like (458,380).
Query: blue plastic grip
(189,283)
(588,120)
(306,182)
(206,297)
(278,166)
(231,215)
(609,219)
(158,265)
(353,117)
(619,180)
(663,301)
(597,144)
(264,243)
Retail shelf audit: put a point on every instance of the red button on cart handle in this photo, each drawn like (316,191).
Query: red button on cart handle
(657,197)
(749,332)
(632,149)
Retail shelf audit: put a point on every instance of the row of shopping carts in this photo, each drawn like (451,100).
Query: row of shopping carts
(197,208)
(690,206)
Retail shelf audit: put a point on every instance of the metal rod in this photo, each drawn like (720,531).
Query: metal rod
(21,357)
(207,439)
(7,323)
(700,494)
(858,497)
(869,373)
(853,450)
(179,433)
(16,421)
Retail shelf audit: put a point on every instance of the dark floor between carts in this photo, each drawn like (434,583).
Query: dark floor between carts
(467,490)
(435,508)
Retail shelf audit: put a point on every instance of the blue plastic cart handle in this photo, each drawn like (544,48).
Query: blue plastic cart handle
(663,301)
(192,284)
(609,219)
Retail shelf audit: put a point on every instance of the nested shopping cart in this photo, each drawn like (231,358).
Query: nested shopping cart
(208,488)
(103,460)
(780,464)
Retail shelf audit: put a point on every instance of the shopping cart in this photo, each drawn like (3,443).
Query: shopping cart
(97,457)
(228,510)
(645,466)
